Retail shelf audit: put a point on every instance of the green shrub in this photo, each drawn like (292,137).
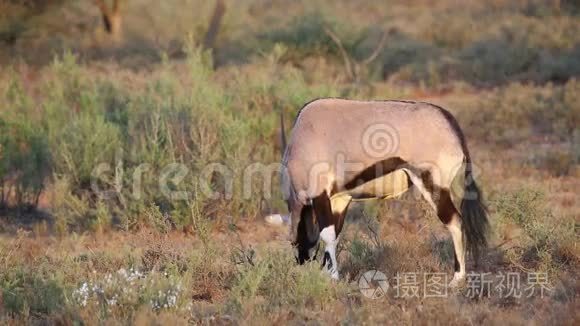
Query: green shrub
(559,161)
(496,61)
(405,57)
(27,293)
(366,249)
(306,36)
(518,113)
(77,211)
(484,45)
(24,163)
(82,145)
(276,278)
(543,233)
(184,119)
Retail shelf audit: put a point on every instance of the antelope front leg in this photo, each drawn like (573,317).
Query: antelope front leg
(329,262)
(457,235)
(330,214)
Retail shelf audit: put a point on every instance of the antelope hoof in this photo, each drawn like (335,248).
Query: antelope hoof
(329,267)
(458,279)
(333,274)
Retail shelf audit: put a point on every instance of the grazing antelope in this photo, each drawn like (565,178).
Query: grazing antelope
(344,150)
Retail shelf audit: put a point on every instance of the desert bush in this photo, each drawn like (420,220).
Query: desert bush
(520,48)
(276,281)
(28,293)
(210,278)
(489,45)
(75,119)
(82,145)
(560,67)
(24,163)
(365,249)
(306,35)
(544,234)
(559,163)
(111,144)
(496,61)
(404,57)
(77,211)
(559,160)
(123,292)
(518,113)
(88,122)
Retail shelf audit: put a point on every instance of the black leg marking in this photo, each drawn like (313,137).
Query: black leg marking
(326,259)
(307,234)
(324,214)
(444,206)
(323,211)
(374,171)
(446,210)
(330,225)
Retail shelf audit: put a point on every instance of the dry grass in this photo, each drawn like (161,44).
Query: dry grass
(247,274)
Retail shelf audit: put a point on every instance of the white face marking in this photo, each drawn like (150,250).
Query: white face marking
(328,235)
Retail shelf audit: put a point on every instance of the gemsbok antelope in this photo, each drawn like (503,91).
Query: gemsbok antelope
(344,150)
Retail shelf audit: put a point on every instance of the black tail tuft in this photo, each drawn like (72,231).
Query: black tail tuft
(474,224)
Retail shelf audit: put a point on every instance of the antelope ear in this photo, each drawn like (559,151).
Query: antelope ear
(277,219)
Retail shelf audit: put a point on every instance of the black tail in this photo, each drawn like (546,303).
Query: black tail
(282,132)
(474,216)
